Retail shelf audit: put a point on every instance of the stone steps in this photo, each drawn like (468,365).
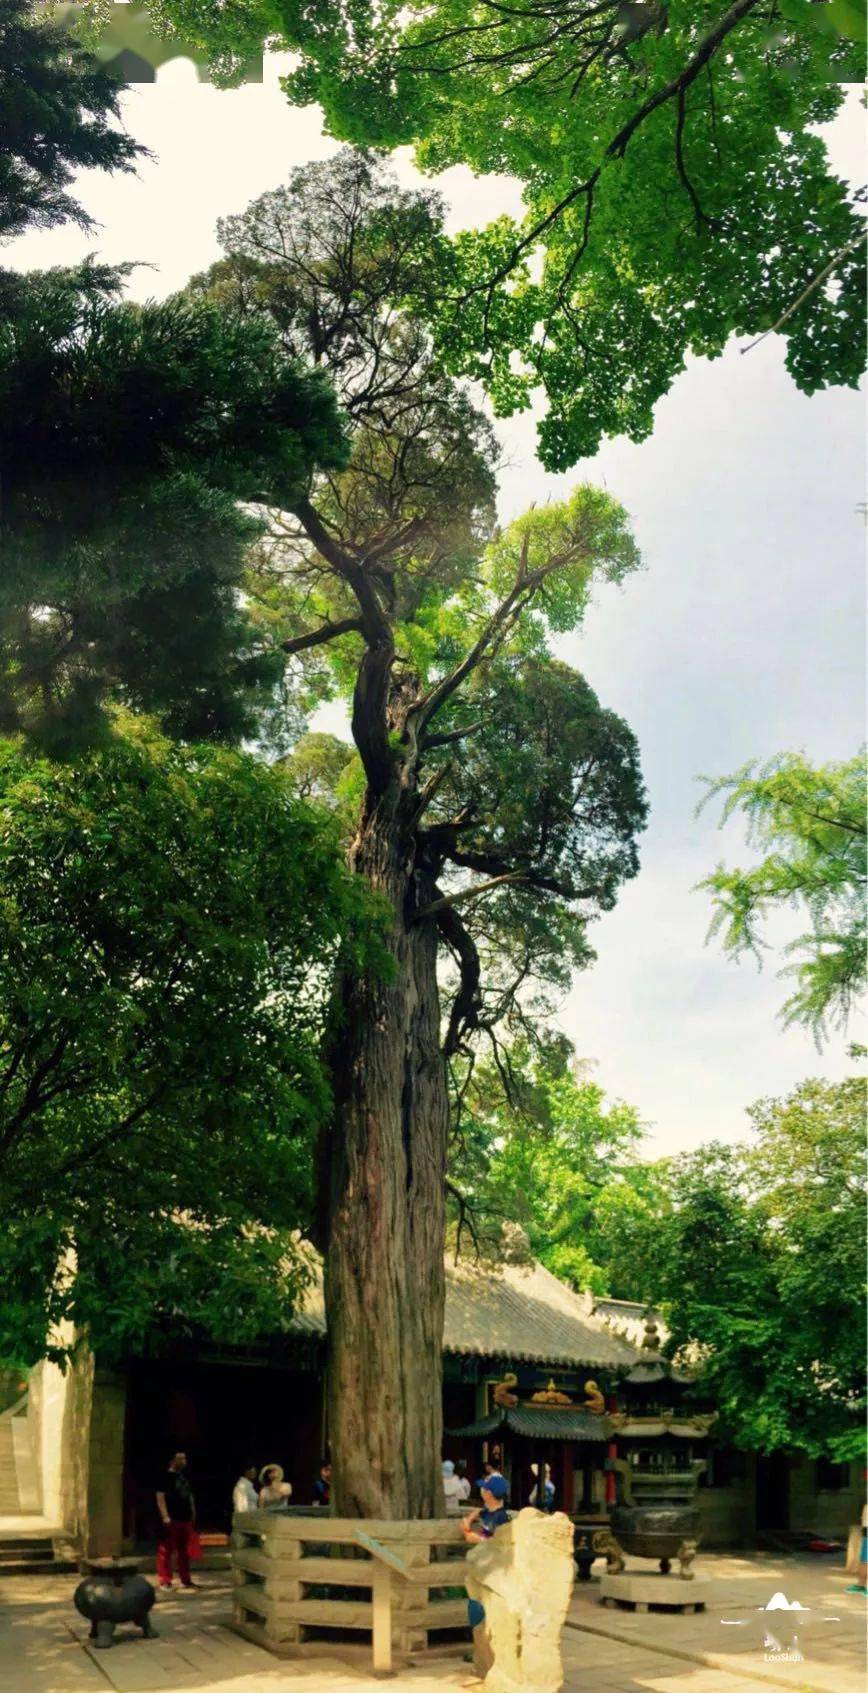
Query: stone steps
(29,1554)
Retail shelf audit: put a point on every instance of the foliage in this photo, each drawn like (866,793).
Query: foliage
(378,577)
(167,918)
(762,1267)
(392,588)
(755,1250)
(677,192)
(317,766)
(331,257)
(810,822)
(130,436)
(539,1146)
(56,110)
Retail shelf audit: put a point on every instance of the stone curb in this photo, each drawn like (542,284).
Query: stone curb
(709,1660)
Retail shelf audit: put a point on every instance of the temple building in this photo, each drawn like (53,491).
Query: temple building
(536,1377)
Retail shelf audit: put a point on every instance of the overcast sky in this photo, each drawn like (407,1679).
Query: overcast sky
(743,637)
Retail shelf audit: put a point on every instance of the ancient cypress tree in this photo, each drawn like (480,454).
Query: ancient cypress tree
(492,802)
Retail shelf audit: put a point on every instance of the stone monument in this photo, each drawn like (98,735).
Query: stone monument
(523,1577)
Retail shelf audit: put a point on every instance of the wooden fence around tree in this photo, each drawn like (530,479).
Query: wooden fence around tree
(307,1581)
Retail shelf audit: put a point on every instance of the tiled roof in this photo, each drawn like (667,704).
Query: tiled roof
(556,1424)
(524,1312)
(516,1312)
(535,1422)
(629,1318)
(625,1307)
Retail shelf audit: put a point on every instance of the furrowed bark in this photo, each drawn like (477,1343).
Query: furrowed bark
(384,1276)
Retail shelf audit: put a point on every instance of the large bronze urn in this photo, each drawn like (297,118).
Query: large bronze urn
(657,1516)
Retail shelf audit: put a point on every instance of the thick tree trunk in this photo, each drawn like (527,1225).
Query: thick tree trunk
(384,1261)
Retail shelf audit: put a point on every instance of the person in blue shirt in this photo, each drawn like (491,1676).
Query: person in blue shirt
(322,1487)
(480,1524)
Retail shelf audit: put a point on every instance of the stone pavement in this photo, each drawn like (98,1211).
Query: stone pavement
(817,1647)
(42,1650)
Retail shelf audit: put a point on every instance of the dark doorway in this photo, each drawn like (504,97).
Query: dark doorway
(221,1415)
(773,1491)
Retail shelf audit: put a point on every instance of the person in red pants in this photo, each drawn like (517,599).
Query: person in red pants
(177,1509)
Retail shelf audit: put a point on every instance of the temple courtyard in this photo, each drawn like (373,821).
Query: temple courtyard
(735,1646)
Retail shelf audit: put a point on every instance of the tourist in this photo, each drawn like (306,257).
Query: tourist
(478,1525)
(244,1495)
(489,1473)
(322,1487)
(548,1489)
(484,1519)
(274,1493)
(177,1509)
(452,1489)
(463,1478)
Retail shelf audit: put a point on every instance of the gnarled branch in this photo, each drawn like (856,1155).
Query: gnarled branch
(464,1012)
(464,894)
(318,637)
(371,694)
(616,148)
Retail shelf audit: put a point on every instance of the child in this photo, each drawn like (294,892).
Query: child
(480,1524)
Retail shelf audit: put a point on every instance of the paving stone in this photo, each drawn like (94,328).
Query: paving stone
(42,1645)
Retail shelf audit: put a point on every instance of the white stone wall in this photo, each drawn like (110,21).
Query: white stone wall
(48,1390)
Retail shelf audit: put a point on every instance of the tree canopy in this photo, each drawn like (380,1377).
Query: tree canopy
(677,190)
(331,259)
(211,539)
(809,820)
(168,915)
(753,1249)
(761,1265)
(392,587)
(538,1147)
(58,115)
(136,443)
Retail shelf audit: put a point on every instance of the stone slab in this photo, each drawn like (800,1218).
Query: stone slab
(608,1651)
(641,1590)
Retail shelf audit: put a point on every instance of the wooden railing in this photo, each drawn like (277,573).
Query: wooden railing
(298,1579)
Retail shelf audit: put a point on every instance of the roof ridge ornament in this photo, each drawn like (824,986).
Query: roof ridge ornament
(550,1395)
(594,1401)
(502,1394)
(651,1337)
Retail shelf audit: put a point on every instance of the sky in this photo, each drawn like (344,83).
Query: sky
(742,637)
